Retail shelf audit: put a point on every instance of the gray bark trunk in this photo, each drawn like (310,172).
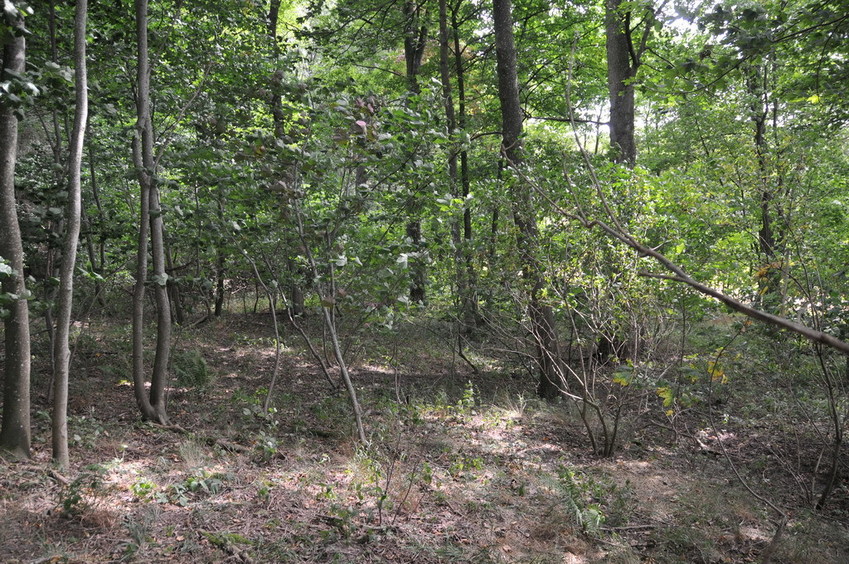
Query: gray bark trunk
(415,37)
(541,315)
(150,226)
(620,71)
(15,429)
(73,218)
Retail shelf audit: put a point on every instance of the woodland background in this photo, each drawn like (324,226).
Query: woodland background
(432,280)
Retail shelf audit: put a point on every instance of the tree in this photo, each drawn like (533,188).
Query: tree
(624,58)
(541,314)
(415,41)
(73,217)
(151,405)
(15,431)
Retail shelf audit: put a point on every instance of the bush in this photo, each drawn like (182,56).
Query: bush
(190,369)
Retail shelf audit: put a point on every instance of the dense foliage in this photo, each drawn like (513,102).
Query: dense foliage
(345,160)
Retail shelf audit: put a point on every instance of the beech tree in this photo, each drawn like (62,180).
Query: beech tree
(73,218)
(152,404)
(15,433)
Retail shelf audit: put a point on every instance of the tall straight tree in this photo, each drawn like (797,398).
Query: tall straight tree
(541,315)
(465,289)
(150,226)
(470,308)
(15,431)
(415,41)
(73,217)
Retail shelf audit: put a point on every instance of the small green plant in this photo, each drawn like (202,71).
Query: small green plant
(467,403)
(580,493)
(205,483)
(190,369)
(266,444)
(143,490)
(463,464)
(263,491)
(426,474)
(83,493)
(87,430)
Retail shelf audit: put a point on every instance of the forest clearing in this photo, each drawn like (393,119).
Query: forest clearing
(424,281)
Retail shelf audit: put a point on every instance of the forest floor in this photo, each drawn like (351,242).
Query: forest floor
(462,466)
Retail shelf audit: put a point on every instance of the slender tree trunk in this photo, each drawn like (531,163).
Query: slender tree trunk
(623,62)
(101,244)
(219,283)
(276,99)
(543,328)
(73,218)
(173,287)
(297,302)
(54,226)
(451,126)
(159,379)
(415,38)
(473,315)
(769,278)
(15,428)
(150,225)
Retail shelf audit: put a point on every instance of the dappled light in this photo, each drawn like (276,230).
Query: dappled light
(424,281)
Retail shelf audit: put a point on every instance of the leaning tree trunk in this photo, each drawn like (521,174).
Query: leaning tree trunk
(73,218)
(15,428)
(150,226)
(543,328)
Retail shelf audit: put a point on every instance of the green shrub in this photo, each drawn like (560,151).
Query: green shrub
(190,369)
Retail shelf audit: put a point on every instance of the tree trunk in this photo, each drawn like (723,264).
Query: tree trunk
(53,226)
(769,276)
(150,225)
(471,313)
(219,282)
(101,246)
(543,328)
(15,429)
(415,38)
(173,287)
(451,126)
(73,218)
(621,69)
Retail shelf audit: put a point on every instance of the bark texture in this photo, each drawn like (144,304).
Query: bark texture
(73,218)
(152,406)
(15,434)
(623,60)
(541,315)
(415,41)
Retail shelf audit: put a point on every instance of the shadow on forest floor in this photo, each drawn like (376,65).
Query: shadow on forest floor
(466,467)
